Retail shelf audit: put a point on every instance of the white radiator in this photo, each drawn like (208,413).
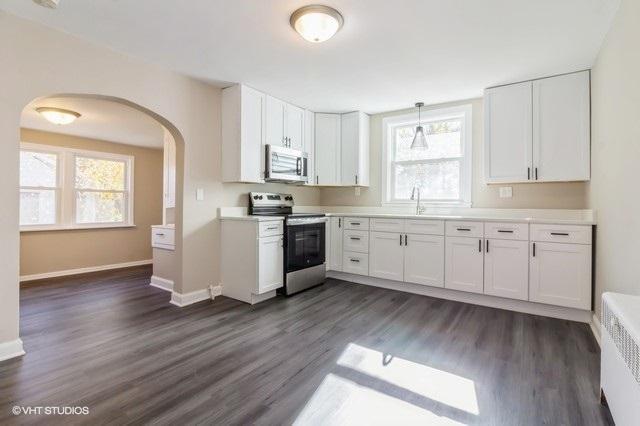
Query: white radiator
(620,360)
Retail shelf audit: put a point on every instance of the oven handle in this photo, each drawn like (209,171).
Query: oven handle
(299,222)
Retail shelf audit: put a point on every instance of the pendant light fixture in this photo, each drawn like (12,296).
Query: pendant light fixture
(419,140)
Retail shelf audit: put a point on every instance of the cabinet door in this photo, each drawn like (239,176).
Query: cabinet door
(424,260)
(464,263)
(252,135)
(274,125)
(506,268)
(350,155)
(508,138)
(335,242)
(386,255)
(270,264)
(561,274)
(309,145)
(294,125)
(561,128)
(327,149)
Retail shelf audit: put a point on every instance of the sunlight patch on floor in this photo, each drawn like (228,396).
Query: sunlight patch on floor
(437,385)
(339,401)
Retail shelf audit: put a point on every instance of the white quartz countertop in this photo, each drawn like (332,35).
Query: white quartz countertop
(478,218)
(251,218)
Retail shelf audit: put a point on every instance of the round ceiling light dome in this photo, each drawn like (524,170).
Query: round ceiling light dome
(316,23)
(58,116)
(51,4)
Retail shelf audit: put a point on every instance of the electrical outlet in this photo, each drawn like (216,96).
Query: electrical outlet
(199,194)
(506,192)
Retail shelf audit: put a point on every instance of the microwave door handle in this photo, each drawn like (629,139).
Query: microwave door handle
(298,166)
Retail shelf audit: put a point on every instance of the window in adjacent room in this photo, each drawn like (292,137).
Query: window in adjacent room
(62,188)
(442,172)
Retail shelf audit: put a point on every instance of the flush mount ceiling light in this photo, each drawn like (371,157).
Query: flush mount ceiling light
(51,4)
(58,116)
(316,23)
(419,140)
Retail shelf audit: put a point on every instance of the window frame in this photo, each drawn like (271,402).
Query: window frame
(389,124)
(44,149)
(66,207)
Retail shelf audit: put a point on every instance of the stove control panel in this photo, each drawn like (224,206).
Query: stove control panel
(270,199)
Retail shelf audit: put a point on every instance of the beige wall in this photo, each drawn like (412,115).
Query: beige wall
(49,251)
(570,195)
(39,61)
(616,155)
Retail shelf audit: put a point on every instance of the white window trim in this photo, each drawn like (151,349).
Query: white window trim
(66,205)
(466,171)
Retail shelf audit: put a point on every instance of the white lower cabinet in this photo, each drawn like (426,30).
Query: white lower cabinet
(464,264)
(334,242)
(424,260)
(506,268)
(386,255)
(355,263)
(270,263)
(560,274)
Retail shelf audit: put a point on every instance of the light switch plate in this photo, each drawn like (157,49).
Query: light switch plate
(199,194)
(506,192)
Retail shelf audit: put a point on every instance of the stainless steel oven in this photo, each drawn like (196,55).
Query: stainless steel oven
(285,165)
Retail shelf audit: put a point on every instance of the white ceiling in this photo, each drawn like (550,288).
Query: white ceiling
(389,54)
(101,119)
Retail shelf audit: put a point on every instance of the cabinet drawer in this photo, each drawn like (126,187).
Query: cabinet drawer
(387,225)
(426,227)
(355,263)
(268,229)
(571,234)
(356,223)
(506,231)
(357,241)
(465,229)
(163,238)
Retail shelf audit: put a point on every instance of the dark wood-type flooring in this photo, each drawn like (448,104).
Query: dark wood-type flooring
(338,353)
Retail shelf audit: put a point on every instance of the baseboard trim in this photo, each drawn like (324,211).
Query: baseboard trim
(472,298)
(596,329)
(11,349)
(78,271)
(161,283)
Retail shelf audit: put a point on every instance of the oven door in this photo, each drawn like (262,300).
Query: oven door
(285,165)
(305,245)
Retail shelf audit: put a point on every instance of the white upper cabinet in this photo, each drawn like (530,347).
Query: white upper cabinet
(508,134)
(327,155)
(561,131)
(355,149)
(309,145)
(538,131)
(243,134)
(284,124)
(294,127)
(275,122)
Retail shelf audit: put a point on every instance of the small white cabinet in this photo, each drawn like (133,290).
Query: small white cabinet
(561,274)
(243,125)
(334,259)
(538,131)
(294,126)
(464,264)
(386,255)
(424,260)
(327,155)
(506,268)
(275,119)
(252,261)
(310,145)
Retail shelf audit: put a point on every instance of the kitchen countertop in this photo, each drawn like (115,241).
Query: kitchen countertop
(479,218)
(251,218)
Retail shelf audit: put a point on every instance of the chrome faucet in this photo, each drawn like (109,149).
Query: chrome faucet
(413,197)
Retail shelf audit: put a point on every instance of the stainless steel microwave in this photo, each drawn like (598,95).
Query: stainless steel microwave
(285,165)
